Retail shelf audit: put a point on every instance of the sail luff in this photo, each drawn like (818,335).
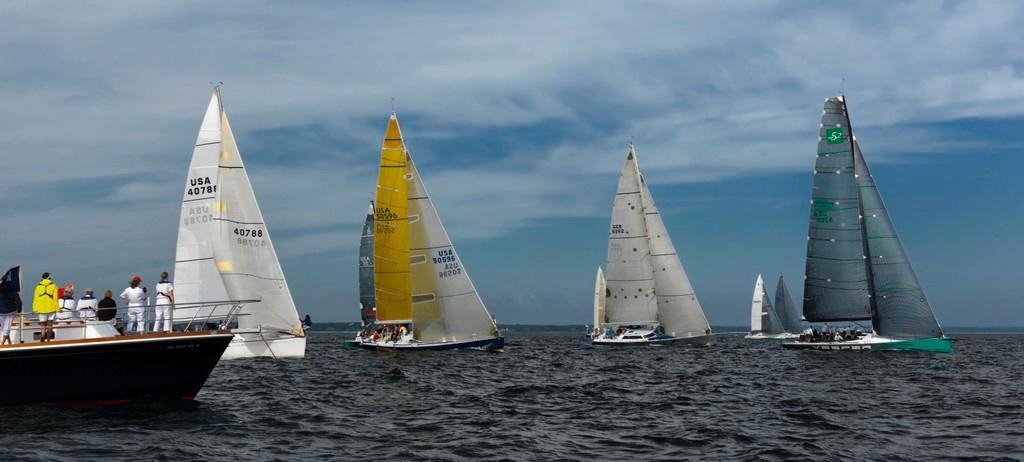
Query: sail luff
(392,285)
(629,276)
(679,311)
(367,301)
(901,309)
(835,279)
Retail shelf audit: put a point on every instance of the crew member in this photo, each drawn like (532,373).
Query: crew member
(164,303)
(135,297)
(87,306)
(44,303)
(66,303)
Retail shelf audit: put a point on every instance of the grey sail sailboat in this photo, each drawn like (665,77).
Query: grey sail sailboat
(856,267)
(788,314)
(367,298)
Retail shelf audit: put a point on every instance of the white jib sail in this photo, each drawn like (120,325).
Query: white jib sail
(445,304)
(679,311)
(630,279)
(600,290)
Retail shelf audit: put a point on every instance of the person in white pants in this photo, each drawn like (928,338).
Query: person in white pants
(135,297)
(164,303)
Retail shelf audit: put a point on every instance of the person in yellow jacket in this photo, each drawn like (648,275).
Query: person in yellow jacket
(45,305)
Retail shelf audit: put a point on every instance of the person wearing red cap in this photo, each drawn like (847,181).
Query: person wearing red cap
(135,297)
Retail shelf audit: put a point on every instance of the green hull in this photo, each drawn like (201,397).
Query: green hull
(352,343)
(936,344)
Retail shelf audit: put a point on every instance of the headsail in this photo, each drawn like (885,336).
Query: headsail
(678,309)
(242,255)
(630,278)
(600,295)
(901,310)
(367,301)
(445,303)
(835,280)
(788,315)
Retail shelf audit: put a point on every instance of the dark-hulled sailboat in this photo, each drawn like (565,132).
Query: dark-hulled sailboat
(856,268)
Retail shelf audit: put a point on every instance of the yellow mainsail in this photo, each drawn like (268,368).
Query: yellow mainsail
(391,230)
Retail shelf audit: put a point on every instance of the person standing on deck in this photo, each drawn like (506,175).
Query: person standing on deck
(10,301)
(135,297)
(164,303)
(44,303)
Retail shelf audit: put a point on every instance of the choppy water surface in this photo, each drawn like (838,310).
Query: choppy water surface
(548,398)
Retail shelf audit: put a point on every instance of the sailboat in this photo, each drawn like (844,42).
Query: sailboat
(224,249)
(790,317)
(367,299)
(425,299)
(856,268)
(765,321)
(647,296)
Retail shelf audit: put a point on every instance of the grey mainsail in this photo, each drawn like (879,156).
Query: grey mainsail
(901,310)
(835,278)
(784,307)
(367,297)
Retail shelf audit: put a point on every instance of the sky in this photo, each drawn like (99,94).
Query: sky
(519,115)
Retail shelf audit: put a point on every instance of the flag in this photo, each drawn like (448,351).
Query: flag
(10,285)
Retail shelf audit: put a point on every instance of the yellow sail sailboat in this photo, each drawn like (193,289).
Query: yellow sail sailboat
(425,299)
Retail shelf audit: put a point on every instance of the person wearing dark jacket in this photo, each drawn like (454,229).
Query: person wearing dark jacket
(107,308)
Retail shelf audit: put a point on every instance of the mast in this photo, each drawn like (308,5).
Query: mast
(854,152)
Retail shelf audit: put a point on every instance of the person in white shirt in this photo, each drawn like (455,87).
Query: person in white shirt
(67,305)
(136,299)
(164,303)
(87,306)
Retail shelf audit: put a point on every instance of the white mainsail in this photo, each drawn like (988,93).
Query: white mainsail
(630,278)
(235,241)
(757,306)
(445,304)
(600,295)
(678,309)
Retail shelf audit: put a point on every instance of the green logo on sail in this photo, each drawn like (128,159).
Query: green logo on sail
(834,135)
(821,211)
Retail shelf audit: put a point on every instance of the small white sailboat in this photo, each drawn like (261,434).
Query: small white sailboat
(856,268)
(425,299)
(224,249)
(647,295)
(765,321)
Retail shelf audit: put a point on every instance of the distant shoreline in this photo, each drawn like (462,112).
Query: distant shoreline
(354,326)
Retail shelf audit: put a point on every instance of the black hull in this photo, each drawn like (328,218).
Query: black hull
(110,371)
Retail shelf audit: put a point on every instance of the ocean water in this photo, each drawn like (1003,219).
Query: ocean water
(547,398)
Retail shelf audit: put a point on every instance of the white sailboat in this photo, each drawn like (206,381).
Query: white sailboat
(648,297)
(224,249)
(425,299)
(765,322)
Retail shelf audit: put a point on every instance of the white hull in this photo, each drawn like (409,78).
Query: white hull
(782,336)
(255,345)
